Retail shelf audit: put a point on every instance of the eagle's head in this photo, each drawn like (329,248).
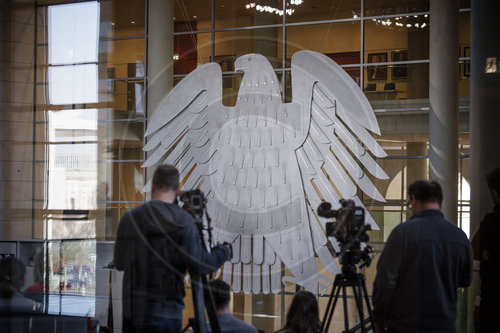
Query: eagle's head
(259,75)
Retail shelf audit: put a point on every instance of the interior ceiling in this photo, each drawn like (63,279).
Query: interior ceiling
(199,10)
(230,8)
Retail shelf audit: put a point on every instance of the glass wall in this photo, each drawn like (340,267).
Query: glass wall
(90,112)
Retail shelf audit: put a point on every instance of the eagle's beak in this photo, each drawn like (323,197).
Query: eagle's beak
(242,63)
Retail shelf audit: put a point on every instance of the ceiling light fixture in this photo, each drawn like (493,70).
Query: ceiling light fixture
(272,10)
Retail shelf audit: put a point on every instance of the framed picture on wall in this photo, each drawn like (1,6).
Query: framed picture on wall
(377,72)
(226,63)
(466,64)
(399,71)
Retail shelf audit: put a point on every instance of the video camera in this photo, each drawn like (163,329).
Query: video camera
(194,202)
(350,231)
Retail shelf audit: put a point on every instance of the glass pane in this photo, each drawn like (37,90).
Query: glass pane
(108,217)
(72,279)
(73,32)
(244,13)
(340,41)
(117,19)
(318,10)
(116,141)
(388,7)
(232,44)
(395,82)
(122,18)
(387,218)
(125,58)
(105,115)
(410,33)
(120,181)
(190,50)
(197,13)
(72,84)
(129,97)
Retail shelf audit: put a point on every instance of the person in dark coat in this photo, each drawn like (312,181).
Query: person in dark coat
(424,261)
(489,252)
(157,243)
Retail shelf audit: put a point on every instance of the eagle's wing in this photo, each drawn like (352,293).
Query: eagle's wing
(336,151)
(179,131)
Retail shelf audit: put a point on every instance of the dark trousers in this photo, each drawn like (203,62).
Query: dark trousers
(153,326)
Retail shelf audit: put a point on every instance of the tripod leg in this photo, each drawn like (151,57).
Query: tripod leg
(346,316)
(210,306)
(367,300)
(359,304)
(329,313)
(328,308)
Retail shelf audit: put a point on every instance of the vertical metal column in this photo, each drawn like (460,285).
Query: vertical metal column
(443,95)
(484,106)
(160,52)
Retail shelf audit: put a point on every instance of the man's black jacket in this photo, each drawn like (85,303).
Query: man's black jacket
(489,235)
(156,244)
(424,262)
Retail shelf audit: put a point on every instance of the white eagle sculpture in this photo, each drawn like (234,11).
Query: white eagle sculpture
(265,165)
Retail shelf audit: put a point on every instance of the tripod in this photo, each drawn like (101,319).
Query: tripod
(201,300)
(194,203)
(357,282)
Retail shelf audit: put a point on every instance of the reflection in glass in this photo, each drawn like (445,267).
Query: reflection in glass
(72,84)
(243,13)
(122,18)
(263,41)
(318,10)
(395,82)
(72,166)
(340,40)
(406,32)
(126,57)
(388,7)
(72,279)
(73,30)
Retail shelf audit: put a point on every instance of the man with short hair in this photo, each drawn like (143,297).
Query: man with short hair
(424,261)
(228,324)
(156,244)
(489,252)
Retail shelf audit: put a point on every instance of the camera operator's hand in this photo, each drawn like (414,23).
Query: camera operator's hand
(229,247)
